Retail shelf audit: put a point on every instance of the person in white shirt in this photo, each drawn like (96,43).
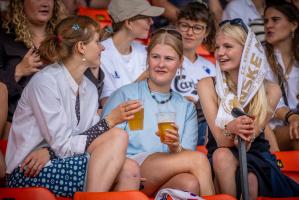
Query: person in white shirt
(124,60)
(250,11)
(247,10)
(56,118)
(196,24)
(282,48)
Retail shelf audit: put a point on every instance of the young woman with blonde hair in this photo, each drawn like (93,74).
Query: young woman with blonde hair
(240,73)
(168,163)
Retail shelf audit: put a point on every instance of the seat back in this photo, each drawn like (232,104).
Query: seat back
(31,193)
(288,161)
(123,195)
(99,15)
(3,145)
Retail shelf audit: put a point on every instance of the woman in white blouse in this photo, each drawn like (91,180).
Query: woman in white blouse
(282,47)
(57,120)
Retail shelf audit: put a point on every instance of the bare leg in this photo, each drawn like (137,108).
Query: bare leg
(4,107)
(269,134)
(253,186)
(129,177)
(107,156)
(283,139)
(225,166)
(185,182)
(159,168)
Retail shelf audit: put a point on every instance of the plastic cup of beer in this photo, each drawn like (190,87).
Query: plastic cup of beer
(137,122)
(165,119)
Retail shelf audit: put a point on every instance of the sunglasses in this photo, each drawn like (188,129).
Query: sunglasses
(235,22)
(168,30)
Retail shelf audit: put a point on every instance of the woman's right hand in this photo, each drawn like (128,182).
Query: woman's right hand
(123,112)
(242,126)
(29,64)
(35,162)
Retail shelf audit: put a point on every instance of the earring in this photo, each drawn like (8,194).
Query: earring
(293,34)
(84,59)
(180,73)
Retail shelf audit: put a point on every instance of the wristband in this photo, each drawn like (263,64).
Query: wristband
(107,123)
(226,132)
(288,115)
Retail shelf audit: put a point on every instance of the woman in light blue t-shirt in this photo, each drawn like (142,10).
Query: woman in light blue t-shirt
(170,163)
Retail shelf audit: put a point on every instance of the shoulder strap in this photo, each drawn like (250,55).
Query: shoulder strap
(281,82)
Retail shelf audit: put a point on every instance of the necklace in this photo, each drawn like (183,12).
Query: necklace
(155,98)
(163,101)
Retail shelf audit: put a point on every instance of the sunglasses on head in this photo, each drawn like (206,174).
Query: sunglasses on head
(169,30)
(235,22)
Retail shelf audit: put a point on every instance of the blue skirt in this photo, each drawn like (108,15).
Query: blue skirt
(63,177)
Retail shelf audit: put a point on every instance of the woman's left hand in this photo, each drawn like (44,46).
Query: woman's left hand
(172,139)
(35,162)
(294,127)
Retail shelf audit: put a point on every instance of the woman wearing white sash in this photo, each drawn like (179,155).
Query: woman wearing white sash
(240,71)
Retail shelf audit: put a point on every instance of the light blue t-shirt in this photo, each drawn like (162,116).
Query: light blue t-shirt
(146,140)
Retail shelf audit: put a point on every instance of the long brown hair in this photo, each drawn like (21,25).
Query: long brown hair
(66,35)
(16,21)
(292,14)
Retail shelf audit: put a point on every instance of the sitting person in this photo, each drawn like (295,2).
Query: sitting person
(240,71)
(282,48)
(196,24)
(57,119)
(24,28)
(168,163)
(124,60)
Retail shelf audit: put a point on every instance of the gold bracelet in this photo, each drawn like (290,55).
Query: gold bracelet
(108,122)
(226,132)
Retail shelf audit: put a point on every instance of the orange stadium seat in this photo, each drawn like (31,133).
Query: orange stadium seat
(97,14)
(125,195)
(206,54)
(30,193)
(202,149)
(288,161)
(3,145)
(100,15)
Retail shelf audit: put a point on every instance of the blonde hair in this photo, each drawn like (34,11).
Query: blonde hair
(259,105)
(16,21)
(66,35)
(171,38)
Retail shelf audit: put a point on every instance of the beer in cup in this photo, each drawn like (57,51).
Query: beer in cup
(165,119)
(137,122)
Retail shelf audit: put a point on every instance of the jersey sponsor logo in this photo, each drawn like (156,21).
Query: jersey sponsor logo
(115,75)
(183,85)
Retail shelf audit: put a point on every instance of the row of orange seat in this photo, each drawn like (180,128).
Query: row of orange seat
(288,162)
(37,193)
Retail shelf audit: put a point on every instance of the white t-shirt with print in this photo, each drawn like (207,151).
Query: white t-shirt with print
(121,69)
(185,80)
